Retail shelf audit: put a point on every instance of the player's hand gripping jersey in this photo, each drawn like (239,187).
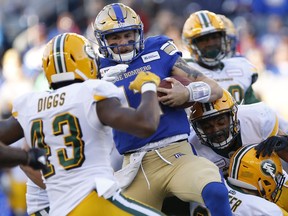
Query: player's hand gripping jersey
(73,143)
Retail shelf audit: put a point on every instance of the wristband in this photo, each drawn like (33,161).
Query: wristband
(148,86)
(199,92)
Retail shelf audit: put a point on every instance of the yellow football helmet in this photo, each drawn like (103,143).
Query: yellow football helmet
(201,112)
(231,35)
(254,172)
(200,24)
(68,57)
(114,18)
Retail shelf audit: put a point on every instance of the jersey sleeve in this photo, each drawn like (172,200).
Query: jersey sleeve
(258,122)
(20,103)
(168,51)
(102,90)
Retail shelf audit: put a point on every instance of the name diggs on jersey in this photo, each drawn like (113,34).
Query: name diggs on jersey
(51,101)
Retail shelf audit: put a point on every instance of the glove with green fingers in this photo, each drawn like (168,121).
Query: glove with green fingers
(145,81)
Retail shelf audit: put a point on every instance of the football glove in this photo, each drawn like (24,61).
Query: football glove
(36,158)
(273,143)
(142,78)
(114,71)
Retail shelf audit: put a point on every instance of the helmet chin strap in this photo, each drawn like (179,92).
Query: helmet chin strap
(81,74)
(223,144)
(125,57)
(262,191)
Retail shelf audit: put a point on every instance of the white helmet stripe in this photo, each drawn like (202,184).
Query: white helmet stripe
(204,20)
(207,107)
(59,59)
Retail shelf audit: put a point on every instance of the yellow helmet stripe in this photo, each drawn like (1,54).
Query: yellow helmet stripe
(58,50)
(237,160)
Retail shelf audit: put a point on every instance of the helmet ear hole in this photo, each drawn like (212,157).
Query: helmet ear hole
(267,183)
(72,57)
(47,62)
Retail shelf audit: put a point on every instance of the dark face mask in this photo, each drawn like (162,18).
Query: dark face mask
(211,52)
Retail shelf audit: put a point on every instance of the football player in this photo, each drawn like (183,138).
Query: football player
(262,176)
(71,123)
(220,128)
(168,166)
(208,42)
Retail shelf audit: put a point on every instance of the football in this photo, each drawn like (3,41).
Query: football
(165,84)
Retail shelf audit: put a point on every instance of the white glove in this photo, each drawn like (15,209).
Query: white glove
(114,71)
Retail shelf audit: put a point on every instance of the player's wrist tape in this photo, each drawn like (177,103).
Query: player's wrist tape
(199,91)
(148,86)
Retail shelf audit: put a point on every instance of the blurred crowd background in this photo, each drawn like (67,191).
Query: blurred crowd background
(26,26)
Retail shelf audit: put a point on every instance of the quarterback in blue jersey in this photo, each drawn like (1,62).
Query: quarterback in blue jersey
(168,165)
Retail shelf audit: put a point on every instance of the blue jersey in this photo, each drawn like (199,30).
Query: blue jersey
(159,56)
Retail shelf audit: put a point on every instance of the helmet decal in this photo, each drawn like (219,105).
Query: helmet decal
(268,167)
(89,51)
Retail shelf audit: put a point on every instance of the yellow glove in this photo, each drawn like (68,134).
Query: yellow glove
(142,78)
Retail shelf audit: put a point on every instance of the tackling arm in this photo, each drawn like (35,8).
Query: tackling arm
(10,157)
(10,131)
(181,68)
(141,122)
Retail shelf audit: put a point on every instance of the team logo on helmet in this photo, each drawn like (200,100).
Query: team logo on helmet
(268,167)
(90,52)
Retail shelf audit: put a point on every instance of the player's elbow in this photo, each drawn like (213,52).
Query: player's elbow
(149,128)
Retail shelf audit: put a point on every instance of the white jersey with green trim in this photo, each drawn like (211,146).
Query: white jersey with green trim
(242,204)
(257,122)
(64,122)
(235,76)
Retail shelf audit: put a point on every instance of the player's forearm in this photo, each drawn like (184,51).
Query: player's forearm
(34,175)
(216,90)
(10,157)
(149,113)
